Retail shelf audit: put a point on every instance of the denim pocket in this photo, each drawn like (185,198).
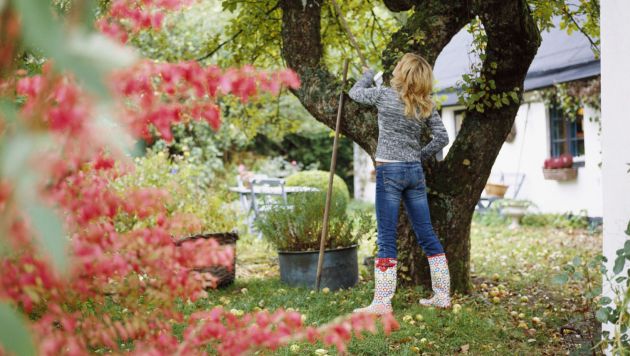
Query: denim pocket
(395,177)
(417,177)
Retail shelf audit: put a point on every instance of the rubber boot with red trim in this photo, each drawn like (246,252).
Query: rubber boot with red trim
(384,287)
(440,282)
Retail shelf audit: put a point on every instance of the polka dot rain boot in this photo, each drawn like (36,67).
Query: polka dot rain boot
(440,282)
(384,287)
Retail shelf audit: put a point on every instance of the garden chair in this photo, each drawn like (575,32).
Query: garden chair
(271,194)
(243,183)
(514,181)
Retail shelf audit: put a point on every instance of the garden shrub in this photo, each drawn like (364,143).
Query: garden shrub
(490,217)
(298,226)
(184,183)
(319,179)
(200,144)
(494,217)
(559,221)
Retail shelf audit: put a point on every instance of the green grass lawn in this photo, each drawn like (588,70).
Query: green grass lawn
(514,309)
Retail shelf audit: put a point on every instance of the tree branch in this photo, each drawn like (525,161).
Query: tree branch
(319,93)
(593,44)
(238,33)
(430,28)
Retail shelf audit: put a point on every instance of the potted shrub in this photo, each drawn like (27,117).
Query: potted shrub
(295,231)
(559,168)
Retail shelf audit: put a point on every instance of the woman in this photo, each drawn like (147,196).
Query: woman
(399,174)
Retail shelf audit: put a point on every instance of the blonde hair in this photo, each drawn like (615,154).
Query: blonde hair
(413,79)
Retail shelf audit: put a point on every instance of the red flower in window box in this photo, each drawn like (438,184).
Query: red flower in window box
(559,168)
(563,161)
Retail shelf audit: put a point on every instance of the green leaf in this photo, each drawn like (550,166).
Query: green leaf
(50,230)
(14,335)
(15,154)
(9,111)
(560,278)
(605,301)
(620,261)
(577,261)
(229,6)
(602,315)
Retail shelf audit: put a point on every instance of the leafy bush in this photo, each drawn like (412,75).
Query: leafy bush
(356,205)
(298,227)
(616,310)
(319,179)
(184,183)
(312,148)
(560,221)
(491,217)
(201,145)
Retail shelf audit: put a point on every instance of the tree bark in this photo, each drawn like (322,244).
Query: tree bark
(454,184)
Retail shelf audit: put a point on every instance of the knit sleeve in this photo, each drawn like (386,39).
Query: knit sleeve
(362,92)
(439,133)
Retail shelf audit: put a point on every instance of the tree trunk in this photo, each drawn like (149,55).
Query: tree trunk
(454,184)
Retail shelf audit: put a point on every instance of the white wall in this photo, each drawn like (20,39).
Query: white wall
(526,154)
(615,127)
(364,186)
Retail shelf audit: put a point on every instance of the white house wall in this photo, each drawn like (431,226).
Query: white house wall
(525,155)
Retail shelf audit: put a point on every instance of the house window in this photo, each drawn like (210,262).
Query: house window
(566,136)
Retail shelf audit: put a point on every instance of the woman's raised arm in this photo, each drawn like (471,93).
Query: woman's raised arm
(362,92)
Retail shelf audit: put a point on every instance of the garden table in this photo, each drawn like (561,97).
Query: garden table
(266,190)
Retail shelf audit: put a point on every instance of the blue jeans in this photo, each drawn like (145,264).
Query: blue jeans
(396,180)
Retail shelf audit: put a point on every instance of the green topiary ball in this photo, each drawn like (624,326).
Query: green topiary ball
(319,179)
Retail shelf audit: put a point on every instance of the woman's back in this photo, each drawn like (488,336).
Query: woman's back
(399,136)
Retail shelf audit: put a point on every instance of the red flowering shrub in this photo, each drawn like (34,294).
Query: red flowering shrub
(58,154)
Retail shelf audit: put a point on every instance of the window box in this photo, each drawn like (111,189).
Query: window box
(560,174)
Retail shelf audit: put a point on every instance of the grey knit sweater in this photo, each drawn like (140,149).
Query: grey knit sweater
(399,137)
